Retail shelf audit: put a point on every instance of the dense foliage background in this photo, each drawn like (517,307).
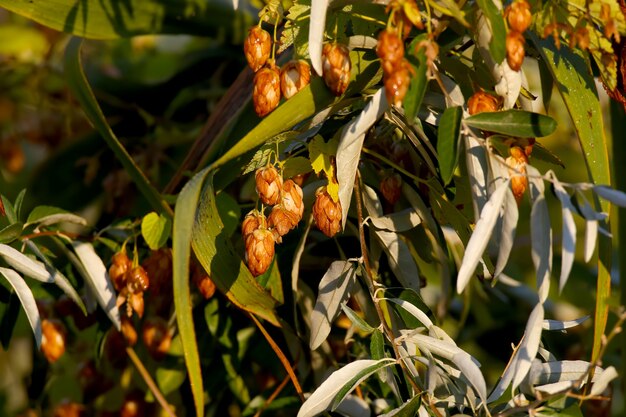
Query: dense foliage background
(109,108)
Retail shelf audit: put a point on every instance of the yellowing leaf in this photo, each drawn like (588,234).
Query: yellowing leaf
(333,189)
(320,154)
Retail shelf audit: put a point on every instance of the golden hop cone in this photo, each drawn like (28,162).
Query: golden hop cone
(120,265)
(269,184)
(482,102)
(156,337)
(137,280)
(259,251)
(517,165)
(294,76)
(281,221)
(128,330)
(53,339)
(336,67)
(515,50)
(266,93)
(519,15)
(292,201)
(135,302)
(391,188)
(257,47)
(390,49)
(397,83)
(327,213)
(251,222)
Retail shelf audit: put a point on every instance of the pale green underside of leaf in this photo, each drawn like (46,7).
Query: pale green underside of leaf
(514,123)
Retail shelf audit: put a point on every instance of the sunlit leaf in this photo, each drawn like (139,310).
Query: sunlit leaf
(518,123)
(496,27)
(316,33)
(448,141)
(529,346)
(28,301)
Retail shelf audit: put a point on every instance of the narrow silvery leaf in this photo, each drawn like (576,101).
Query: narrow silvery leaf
(350,144)
(530,345)
(27,300)
(59,279)
(468,366)
(568,243)
(562,325)
(24,264)
(505,379)
(481,235)
(334,289)
(59,218)
(510,216)
(397,222)
(541,238)
(316,33)
(591,236)
(551,372)
(356,320)
(414,311)
(602,381)
(324,396)
(400,259)
(610,194)
(98,279)
(353,405)
(477,170)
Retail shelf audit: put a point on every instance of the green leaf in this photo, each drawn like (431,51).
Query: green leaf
(48,215)
(296,166)
(577,88)
(11,232)
(377,345)
(496,21)
(419,81)
(229,211)
(9,210)
(226,268)
(518,123)
(78,83)
(109,19)
(272,282)
(170,379)
(448,141)
(155,229)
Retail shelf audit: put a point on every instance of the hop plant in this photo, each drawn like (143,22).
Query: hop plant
(391,187)
(517,162)
(483,102)
(156,337)
(336,66)
(257,47)
(294,76)
(281,221)
(128,331)
(515,50)
(292,200)
(397,82)
(120,265)
(269,184)
(251,222)
(266,93)
(259,251)
(519,16)
(390,49)
(137,280)
(53,339)
(326,213)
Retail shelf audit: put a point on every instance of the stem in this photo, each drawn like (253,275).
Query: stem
(281,356)
(369,280)
(149,381)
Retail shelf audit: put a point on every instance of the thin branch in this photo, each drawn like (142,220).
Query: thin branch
(273,396)
(149,381)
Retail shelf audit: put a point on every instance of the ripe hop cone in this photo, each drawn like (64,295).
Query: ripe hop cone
(336,66)
(257,47)
(266,93)
(326,213)
(294,76)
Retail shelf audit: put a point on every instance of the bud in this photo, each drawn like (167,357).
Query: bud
(137,280)
(515,50)
(517,169)
(205,285)
(257,47)
(156,337)
(482,102)
(53,339)
(251,222)
(294,76)
(259,251)
(336,67)
(390,49)
(266,94)
(518,15)
(281,221)
(269,184)
(397,83)
(327,213)
(391,188)
(128,330)
(292,200)
(120,265)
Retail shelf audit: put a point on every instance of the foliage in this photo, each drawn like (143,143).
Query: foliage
(434,166)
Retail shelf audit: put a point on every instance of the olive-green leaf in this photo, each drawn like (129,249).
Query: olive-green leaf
(109,19)
(225,267)
(448,141)
(419,81)
(518,123)
(577,88)
(496,21)
(155,229)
